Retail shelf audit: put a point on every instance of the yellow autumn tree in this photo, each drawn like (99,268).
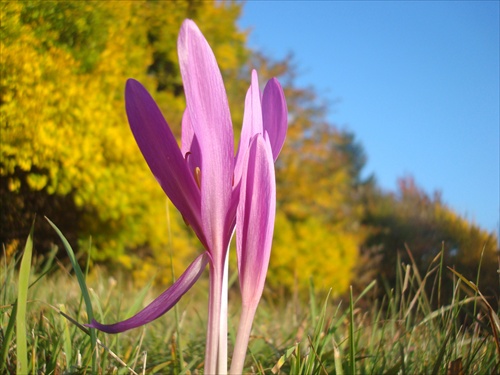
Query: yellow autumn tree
(318,229)
(66,149)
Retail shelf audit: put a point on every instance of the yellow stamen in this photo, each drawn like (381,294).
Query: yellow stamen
(197,176)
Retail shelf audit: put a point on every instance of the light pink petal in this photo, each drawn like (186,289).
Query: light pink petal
(187,135)
(255,219)
(252,122)
(161,151)
(208,108)
(161,304)
(275,115)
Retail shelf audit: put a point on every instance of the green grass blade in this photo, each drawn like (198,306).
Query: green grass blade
(477,277)
(316,361)
(312,303)
(50,260)
(22,298)
(83,288)
(286,356)
(138,300)
(9,331)
(352,351)
(66,338)
(439,364)
(339,370)
(176,307)
(318,343)
(366,290)
(440,274)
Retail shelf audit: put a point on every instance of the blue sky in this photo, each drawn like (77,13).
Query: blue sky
(417,82)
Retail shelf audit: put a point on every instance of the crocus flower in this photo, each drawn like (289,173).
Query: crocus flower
(202,177)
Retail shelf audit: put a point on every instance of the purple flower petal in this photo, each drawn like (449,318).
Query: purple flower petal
(255,219)
(275,115)
(161,304)
(208,108)
(252,122)
(161,151)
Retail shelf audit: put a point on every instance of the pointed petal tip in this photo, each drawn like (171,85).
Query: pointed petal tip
(103,327)
(207,103)
(255,75)
(187,27)
(188,22)
(131,81)
(132,86)
(275,114)
(110,328)
(161,304)
(134,90)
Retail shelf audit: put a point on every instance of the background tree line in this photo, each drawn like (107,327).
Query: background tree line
(67,153)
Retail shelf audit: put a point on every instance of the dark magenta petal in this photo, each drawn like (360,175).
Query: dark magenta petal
(275,115)
(161,304)
(161,151)
(189,144)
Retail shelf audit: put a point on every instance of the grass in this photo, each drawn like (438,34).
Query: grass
(407,331)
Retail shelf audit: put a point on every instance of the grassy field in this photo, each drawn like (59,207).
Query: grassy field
(408,331)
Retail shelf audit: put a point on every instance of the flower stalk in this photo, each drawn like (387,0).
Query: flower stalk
(242,338)
(222,360)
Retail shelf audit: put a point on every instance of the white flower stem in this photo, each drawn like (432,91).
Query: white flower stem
(242,338)
(214,318)
(222,363)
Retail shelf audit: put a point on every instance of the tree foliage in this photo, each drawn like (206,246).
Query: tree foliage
(66,149)
(411,220)
(318,230)
(67,152)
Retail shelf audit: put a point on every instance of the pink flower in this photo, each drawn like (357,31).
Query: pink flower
(203,177)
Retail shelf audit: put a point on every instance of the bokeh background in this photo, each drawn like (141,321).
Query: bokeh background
(406,160)
(418,82)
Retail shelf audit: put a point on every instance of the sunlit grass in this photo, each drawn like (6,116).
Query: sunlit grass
(401,333)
